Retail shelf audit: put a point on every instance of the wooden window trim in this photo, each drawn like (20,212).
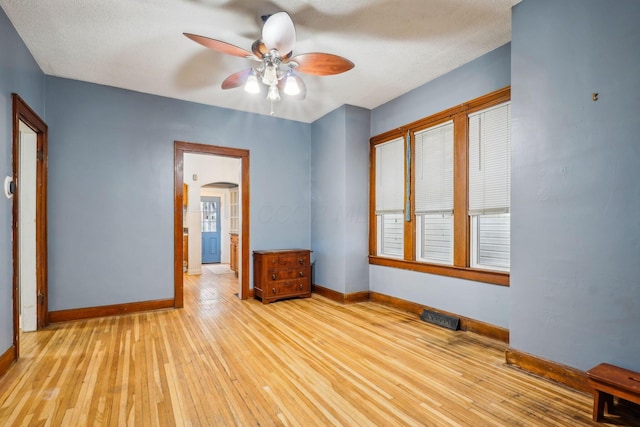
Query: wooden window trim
(485,276)
(461,255)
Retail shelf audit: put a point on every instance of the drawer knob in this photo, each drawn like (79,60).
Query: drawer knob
(301,274)
(273,290)
(273,276)
(300,261)
(300,286)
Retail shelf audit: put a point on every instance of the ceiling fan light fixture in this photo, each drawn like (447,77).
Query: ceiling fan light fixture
(273,95)
(274,64)
(291,87)
(252,85)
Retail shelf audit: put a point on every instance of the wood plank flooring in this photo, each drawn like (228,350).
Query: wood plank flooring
(309,362)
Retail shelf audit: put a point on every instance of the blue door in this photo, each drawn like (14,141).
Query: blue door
(210,227)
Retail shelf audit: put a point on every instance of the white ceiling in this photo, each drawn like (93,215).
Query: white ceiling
(396,45)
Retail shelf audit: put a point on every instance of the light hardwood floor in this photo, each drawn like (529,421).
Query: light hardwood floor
(305,362)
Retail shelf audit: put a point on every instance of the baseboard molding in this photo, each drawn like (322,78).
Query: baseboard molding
(357,297)
(7,359)
(109,310)
(340,297)
(566,375)
(466,324)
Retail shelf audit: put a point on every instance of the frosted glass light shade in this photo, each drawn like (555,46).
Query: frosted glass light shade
(251,84)
(274,94)
(291,86)
(270,76)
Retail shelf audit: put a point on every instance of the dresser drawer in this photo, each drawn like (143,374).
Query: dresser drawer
(287,274)
(286,288)
(293,260)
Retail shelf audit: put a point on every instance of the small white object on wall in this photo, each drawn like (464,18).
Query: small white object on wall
(9,187)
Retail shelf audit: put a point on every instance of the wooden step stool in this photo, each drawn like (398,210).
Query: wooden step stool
(608,381)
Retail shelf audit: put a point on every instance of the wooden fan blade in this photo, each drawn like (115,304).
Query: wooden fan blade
(236,79)
(219,46)
(321,64)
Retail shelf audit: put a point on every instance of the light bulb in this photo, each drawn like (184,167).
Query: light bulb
(273,95)
(291,85)
(252,85)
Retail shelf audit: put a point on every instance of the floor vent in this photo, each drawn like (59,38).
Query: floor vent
(439,319)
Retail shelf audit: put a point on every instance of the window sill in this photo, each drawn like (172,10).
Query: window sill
(485,276)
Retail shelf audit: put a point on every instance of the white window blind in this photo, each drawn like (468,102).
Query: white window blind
(435,238)
(491,241)
(490,160)
(434,193)
(392,235)
(390,176)
(434,169)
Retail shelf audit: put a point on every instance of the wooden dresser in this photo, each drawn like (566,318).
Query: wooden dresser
(280,274)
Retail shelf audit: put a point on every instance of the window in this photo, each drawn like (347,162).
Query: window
(208,216)
(389,203)
(434,193)
(490,187)
(441,199)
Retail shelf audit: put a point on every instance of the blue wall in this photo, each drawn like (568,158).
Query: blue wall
(339,203)
(327,200)
(575,275)
(358,123)
(19,74)
(111,187)
(480,301)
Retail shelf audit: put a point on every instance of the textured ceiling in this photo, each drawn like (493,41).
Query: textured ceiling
(396,45)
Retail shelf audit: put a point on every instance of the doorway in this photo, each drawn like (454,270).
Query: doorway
(29,225)
(180,149)
(27,161)
(210,229)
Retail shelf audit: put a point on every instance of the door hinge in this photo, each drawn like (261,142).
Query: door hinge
(40,154)
(40,298)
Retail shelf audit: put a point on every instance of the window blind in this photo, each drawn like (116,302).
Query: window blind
(493,247)
(434,169)
(390,176)
(392,235)
(490,160)
(436,238)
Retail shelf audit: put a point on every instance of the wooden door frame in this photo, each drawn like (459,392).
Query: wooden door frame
(23,113)
(180,148)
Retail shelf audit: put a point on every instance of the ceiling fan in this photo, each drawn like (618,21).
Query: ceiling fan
(274,64)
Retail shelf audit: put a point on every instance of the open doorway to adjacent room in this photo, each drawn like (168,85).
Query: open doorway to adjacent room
(30,290)
(211,218)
